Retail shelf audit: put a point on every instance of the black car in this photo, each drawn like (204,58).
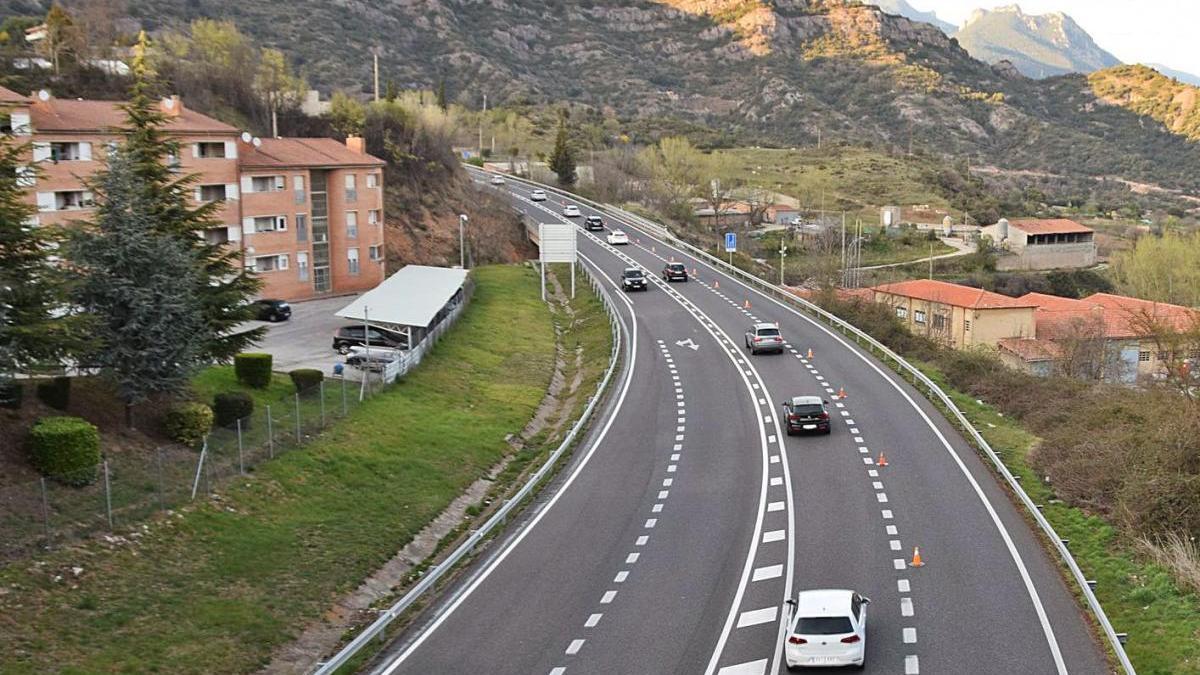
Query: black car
(807,414)
(675,272)
(355,336)
(633,279)
(272,310)
(593,223)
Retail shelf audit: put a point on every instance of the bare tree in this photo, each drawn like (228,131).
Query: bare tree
(1084,352)
(1176,338)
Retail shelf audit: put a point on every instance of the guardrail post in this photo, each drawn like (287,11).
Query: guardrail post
(241,462)
(108,495)
(270,434)
(298,438)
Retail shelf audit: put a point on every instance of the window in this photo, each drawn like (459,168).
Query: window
(70,152)
(939,322)
(1144,357)
(1163,356)
(269,223)
(210,193)
(70,200)
(351,189)
(266,184)
(269,263)
(210,150)
(919,316)
(375,252)
(352,260)
(19,123)
(298,189)
(26,176)
(824,625)
(856,606)
(174,165)
(374,217)
(352,224)
(217,235)
(301,227)
(372,180)
(966,324)
(302,265)
(902,312)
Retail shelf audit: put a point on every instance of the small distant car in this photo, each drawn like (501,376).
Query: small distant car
(617,238)
(828,627)
(764,337)
(537,196)
(593,223)
(269,309)
(571,211)
(633,279)
(355,335)
(497,180)
(806,414)
(675,272)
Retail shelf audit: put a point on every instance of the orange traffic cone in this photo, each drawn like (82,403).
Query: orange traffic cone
(694,272)
(841,392)
(882,460)
(716,283)
(747,305)
(916,561)
(652,249)
(810,352)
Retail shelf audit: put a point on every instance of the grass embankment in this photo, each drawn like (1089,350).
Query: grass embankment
(217,588)
(218,379)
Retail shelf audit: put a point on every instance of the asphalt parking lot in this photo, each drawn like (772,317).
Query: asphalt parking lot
(306,339)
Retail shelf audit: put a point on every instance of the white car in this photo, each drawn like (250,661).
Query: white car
(617,238)
(537,196)
(571,211)
(497,180)
(827,628)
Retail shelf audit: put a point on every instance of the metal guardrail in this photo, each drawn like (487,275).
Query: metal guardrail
(936,394)
(501,515)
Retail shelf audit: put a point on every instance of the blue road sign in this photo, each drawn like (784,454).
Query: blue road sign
(730,242)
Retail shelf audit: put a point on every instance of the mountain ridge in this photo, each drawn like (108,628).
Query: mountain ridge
(1038,46)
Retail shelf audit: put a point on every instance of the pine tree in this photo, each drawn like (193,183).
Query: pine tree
(223,286)
(441,94)
(139,284)
(562,159)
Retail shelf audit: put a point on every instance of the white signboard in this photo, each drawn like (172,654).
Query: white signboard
(557,242)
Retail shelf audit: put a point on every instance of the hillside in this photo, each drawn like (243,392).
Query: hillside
(904,9)
(1038,45)
(777,72)
(1150,93)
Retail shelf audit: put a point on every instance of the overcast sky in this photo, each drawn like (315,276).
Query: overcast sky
(1141,31)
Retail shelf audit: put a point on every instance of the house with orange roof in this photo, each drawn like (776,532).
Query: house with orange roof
(1055,243)
(955,315)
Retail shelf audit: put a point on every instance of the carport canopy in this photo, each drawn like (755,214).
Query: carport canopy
(411,297)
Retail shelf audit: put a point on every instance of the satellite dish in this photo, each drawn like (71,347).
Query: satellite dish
(257,142)
(246,137)
(168,103)
(43,95)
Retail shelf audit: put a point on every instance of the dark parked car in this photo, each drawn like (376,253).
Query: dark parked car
(355,336)
(675,272)
(272,310)
(593,223)
(633,279)
(807,414)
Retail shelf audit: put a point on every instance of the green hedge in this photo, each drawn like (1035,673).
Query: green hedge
(306,378)
(187,423)
(11,393)
(55,393)
(253,369)
(231,406)
(66,449)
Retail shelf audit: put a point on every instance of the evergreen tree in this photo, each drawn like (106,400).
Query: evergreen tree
(33,326)
(562,159)
(140,286)
(223,286)
(441,94)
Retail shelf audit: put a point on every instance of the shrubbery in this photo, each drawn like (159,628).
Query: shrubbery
(55,393)
(66,449)
(11,394)
(230,406)
(187,423)
(306,378)
(253,369)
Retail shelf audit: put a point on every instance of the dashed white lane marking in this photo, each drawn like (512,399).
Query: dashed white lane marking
(891,529)
(632,558)
(775,506)
(592,621)
(902,585)
(748,668)
(872,473)
(867,460)
(894,544)
(770,439)
(677,446)
(906,607)
(774,459)
(675,457)
(651,522)
(910,636)
(776,481)
(898,563)
(877,485)
(911,665)
(657,508)
(767,572)
(881,497)
(663,494)
(607,598)
(641,541)
(671,468)
(558,671)
(574,647)
(667,482)
(621,577)
(755,617)
(887,514)
(774,535)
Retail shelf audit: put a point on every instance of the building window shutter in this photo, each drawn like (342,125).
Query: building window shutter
(231,191)
(45,201)
(283,261)
(230,149)
(85,151)
(88,198)
(279,183)
(247,185)
(195,150)
(26,177)
(41,152)
(247,226)
(281,223)
(20,124)
(235,233)
(197,194)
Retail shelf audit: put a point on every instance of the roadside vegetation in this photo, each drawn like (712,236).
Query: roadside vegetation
(218,586)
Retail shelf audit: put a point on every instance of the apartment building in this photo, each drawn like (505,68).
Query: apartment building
(306,213)
(957,316)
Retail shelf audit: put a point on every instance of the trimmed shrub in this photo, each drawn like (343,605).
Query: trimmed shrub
(55,393)
(66,449)
(306,378)
(253,369)
(187,423)
(230,406)
(11,394)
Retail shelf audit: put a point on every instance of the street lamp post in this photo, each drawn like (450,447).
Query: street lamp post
(462,251)
(782,255)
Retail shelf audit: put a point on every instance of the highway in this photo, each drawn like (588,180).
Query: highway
(687,516)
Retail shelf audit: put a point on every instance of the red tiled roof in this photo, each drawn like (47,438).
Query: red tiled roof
(10,96)
(99,116)
(952,294)
(1121,317)
(307,152)
(1031,349)
(1133,313)
(1049,226)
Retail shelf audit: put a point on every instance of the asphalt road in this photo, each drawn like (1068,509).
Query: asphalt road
(687,518)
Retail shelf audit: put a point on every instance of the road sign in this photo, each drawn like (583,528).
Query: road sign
(730,242)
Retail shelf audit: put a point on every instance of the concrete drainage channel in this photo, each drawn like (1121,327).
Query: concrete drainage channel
(931,390)
(497,521)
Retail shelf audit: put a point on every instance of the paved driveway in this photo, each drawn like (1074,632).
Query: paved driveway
(306,340)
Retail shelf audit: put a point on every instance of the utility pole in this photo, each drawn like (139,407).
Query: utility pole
(782,255)
(931,260)
(375,54)
(481,124)
(843,249)
(462,251)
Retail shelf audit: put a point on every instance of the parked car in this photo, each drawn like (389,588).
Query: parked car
(593,223)
(571,211)
(633,279)
(828,627)
(355,335)
(675,272)
(497,180)
(807,414)
(764,337)
(617,238)
(537,196)
(374,360)
(270,309)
